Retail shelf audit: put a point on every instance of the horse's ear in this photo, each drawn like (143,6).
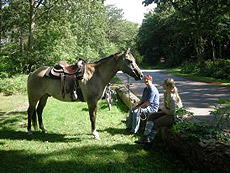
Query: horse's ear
(81,59)
(127,52)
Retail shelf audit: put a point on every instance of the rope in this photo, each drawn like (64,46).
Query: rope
(145,118)
(128,89)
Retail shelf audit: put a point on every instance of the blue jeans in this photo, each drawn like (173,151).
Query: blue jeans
(134,118)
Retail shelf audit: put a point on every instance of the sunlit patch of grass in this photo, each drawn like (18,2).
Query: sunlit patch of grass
(12,103)
(69,145)
(200,78)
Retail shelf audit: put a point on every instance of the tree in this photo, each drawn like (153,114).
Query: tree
(121,33)
(203,23)
(41,32)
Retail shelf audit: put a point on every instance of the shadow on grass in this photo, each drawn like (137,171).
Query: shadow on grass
(36,136)
(121,106)
(11,113)
(85,109)
(115,158)
(115,131)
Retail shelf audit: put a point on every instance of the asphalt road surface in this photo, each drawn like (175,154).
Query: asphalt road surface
(197,97)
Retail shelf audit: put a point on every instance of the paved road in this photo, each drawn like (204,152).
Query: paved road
(197,97)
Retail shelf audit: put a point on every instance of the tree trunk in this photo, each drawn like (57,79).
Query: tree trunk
(127,96)
(21,41)
(199,45)
(31,25)
(213,50)
(1,26)
(220,50)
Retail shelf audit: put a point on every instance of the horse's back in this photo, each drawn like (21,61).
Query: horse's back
(36,83)
(35,77)
(39,84)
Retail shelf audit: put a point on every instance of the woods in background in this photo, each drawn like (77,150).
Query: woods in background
(38,32)
(189,31)
(193,34)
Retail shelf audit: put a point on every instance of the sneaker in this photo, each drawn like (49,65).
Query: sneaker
(143,140)
(131,133)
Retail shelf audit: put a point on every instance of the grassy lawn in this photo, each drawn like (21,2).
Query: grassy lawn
(69,145)
(200,78)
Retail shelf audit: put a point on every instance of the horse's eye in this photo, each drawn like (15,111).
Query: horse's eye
(130,61)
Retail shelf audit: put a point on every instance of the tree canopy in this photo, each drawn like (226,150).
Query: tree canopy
(41,32)
(34,33)
(183,30)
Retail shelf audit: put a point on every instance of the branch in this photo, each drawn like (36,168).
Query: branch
(39,3)
(47,9)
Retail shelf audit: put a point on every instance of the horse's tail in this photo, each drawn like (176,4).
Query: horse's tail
(34,120)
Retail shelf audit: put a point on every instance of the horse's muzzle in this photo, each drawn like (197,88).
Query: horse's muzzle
(139,77)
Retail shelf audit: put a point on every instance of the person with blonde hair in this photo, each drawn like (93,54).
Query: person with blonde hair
(163,118)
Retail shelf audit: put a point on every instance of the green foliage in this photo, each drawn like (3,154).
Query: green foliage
(219,68)
(221,114)
(190,67)
(185,123)
(13,85)
(185,30)
(63,30)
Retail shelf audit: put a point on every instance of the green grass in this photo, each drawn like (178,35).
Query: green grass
(200,78)
(69,145)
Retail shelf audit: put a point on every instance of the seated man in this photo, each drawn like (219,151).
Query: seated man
(147,105)
(165,117)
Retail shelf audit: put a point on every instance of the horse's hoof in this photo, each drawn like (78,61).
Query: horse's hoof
(29,133)
(96,135)
(44,131)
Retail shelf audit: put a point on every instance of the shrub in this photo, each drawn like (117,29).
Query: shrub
(205,130)
(13,85)
(222,70)
(219,68)
(190,67)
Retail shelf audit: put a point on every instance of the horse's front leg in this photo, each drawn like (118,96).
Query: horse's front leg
(92,114)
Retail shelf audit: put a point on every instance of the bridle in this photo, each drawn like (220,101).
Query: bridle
(124,63)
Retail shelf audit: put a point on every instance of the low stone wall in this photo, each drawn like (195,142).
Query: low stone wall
(208,156)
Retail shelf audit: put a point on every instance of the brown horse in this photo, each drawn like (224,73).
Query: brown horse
(96,77)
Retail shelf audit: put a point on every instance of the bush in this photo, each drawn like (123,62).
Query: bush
(13,85)
(222,70)
(219,68)
(190,67)
(204,130)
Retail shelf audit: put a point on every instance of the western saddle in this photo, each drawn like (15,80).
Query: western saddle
(69,76)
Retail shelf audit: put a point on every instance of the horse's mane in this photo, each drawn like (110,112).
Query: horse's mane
(106,58)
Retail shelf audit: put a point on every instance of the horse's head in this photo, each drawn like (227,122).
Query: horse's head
(129,65)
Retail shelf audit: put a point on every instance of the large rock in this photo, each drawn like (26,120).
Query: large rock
(205,155)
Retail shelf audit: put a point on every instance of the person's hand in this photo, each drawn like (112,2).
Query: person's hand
(137,107)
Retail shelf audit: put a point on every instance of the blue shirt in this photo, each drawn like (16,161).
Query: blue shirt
(151,94)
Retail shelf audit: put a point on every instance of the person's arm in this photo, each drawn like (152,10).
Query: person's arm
(143,105)
(173,106)
(166,108)
(139,103)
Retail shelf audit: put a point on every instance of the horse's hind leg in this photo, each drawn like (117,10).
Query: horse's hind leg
(41,105)
(31,114)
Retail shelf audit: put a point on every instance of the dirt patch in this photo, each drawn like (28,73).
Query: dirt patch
(12,104)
